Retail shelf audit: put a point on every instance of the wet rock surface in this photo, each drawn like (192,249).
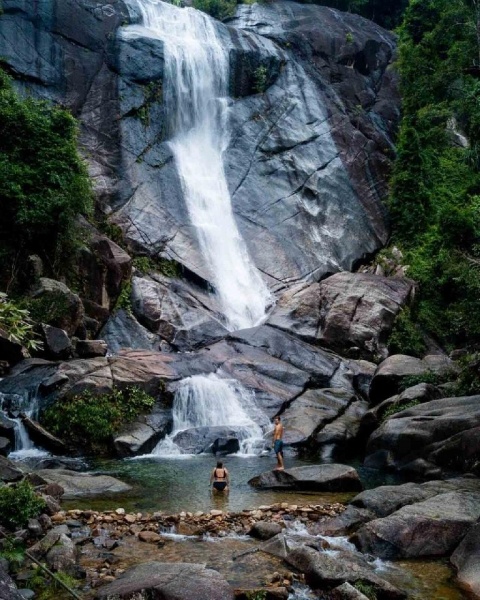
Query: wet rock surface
(466,560)
(328,477)
(83,484)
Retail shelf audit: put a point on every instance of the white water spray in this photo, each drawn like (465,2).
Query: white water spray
(24,447)
(195,88)
(209,401)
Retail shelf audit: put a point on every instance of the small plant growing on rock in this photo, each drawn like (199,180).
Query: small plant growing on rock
(12,550)
(367,589)
(396,408)
(18,504)
(260,79)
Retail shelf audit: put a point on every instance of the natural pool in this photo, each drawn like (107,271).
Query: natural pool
(176,484)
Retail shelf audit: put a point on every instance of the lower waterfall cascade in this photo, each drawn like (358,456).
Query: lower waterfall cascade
(209,401)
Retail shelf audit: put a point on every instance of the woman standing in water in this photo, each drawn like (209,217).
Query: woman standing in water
(220,478)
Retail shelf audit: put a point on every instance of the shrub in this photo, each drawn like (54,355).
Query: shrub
(220,9)
(49,588)
(89,420)
(12,550)
(393,409)
(367,589)
(18,504)
(17,323)
(43,182)
(405,337)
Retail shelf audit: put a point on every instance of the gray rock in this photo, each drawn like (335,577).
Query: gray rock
(430,431)
(344,524)
(170,309)
(141,436)
(202,439)
(433,527)
(8,470)
(348,592)
(423,392)
(91,348)
(170,581)
(78,485)
(27,594)
(7,428)
(392,371)
(8,589)
(322,569)
(42,437)
(224,446)
(311,412)
(123,331)
(345,311)
(466,560)
(263,530)
(6,446)
(63,555)
(318,478)
(56,343)
(68,311)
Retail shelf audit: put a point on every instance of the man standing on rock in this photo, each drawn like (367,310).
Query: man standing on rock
(278,443)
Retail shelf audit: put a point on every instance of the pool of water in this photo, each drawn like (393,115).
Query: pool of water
(176,484)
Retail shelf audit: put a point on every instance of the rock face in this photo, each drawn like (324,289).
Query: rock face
(315,478)
(442,432)
(351,313)
(169,581)
(466,559)
(67,308)
(433,527)
(307,160)
(8,590)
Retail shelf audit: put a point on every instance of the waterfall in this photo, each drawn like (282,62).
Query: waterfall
(209,401)
(195,89)
(24,447)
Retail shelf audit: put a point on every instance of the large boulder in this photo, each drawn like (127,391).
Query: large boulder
(83,485)
(395,370)
(56,343)
(314,478)
(204,439)
(122,330)
(441,432)
(8,471)
(348,312)
(466,560)
(8,589)
(42,437)
(168,581)
(63,307)
(141,436)
(322,570)
(433,527)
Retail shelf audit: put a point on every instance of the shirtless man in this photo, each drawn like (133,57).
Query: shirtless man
(278,443)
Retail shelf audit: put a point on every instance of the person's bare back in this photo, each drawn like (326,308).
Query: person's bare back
(278,443)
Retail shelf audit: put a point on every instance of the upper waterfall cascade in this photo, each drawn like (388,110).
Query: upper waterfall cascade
(210,401)
(195,89)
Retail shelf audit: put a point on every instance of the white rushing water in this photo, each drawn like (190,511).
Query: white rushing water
(209,401)
(195,88)
(24,447)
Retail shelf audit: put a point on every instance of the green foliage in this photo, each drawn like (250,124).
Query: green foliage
(220,9)
(48,308)
(43,182)
(367,589)
(145,264)
(468,381)
(256,595)
(90,421)
(435,203)
(18,503)
(49,588)
(12,550)
(260,79)
(427,377)
(17,323)
(393,409)
(405,337)
(124,299)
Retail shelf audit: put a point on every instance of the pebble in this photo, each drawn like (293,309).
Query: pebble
(216,513)
(120,511)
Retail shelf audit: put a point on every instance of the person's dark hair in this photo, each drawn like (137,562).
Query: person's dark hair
(219,464)
(277,417)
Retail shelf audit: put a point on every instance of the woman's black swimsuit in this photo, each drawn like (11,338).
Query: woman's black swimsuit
(219,485)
